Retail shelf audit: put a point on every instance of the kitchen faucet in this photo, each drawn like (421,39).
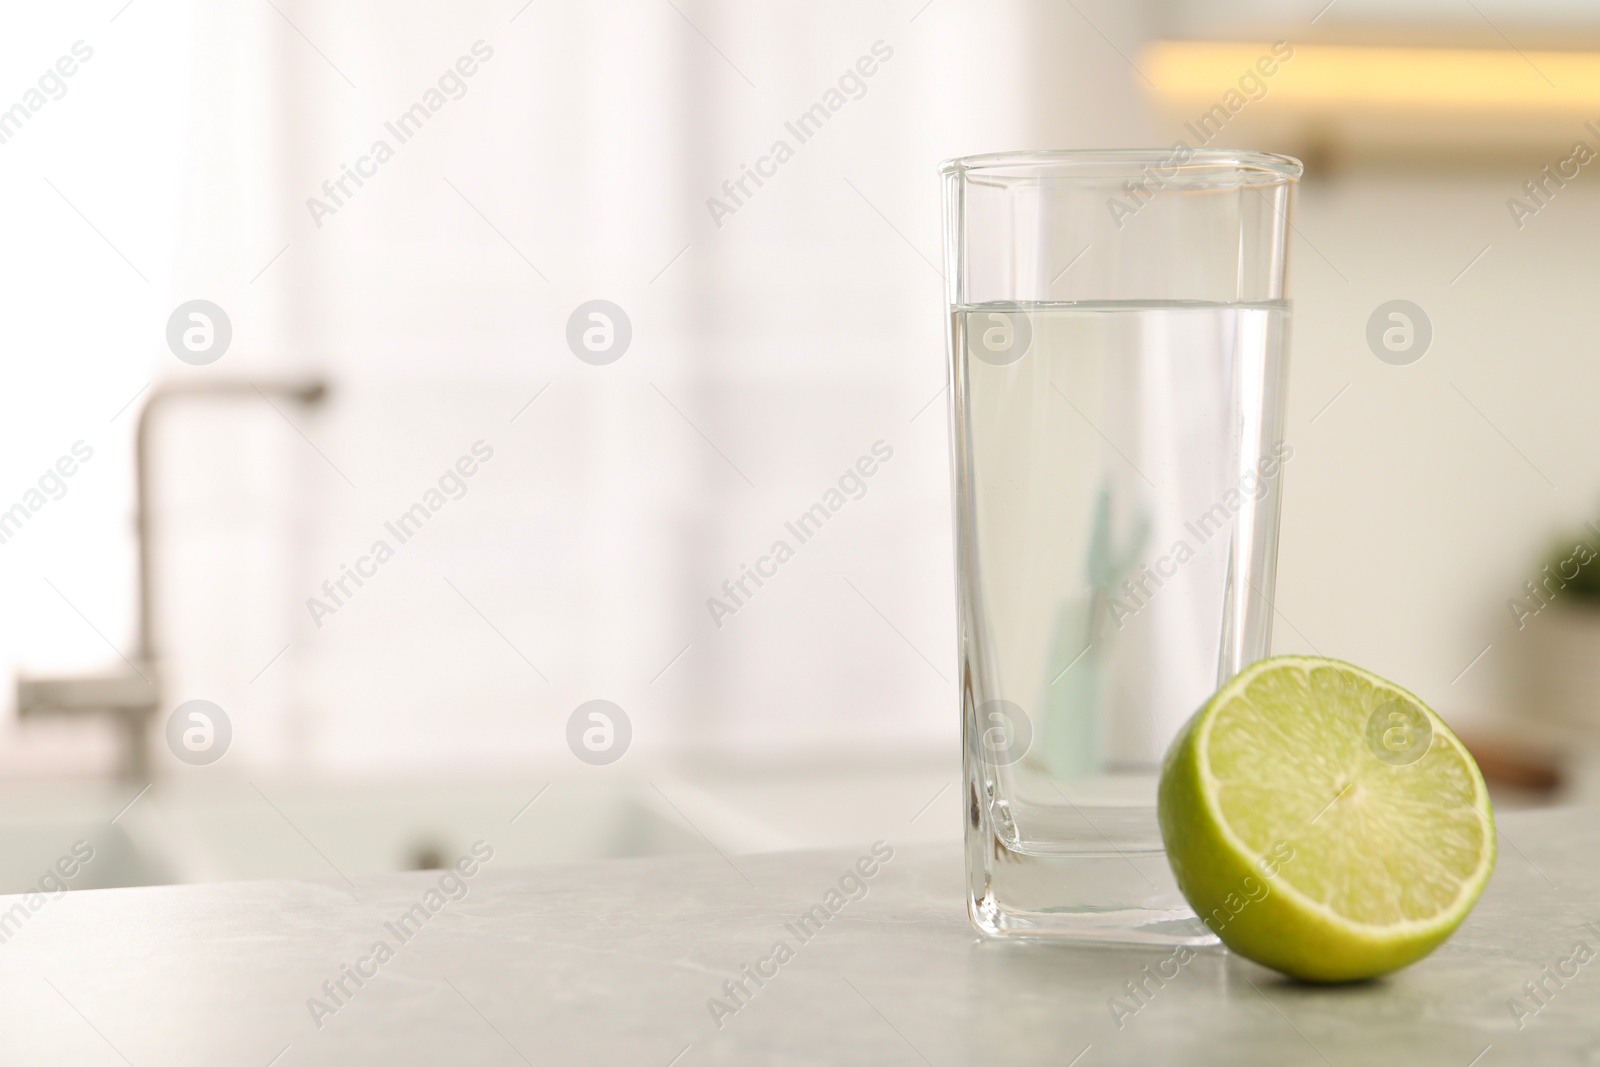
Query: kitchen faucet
(133,696)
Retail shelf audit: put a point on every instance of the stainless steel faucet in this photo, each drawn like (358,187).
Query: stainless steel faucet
(132,697)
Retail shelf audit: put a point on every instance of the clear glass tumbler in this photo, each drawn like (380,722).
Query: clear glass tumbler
(1117,342)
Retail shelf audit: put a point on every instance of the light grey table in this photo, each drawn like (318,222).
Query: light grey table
(615,963)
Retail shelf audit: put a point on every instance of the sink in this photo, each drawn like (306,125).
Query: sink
(238,830)
(31,850)
(198,825)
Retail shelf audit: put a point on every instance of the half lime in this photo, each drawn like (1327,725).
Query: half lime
(1324,821)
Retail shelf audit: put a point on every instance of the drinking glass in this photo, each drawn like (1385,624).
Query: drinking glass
(1117,343)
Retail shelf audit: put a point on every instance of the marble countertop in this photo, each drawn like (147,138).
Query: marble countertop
(634,962)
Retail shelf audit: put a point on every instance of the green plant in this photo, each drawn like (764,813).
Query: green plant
(1575,565)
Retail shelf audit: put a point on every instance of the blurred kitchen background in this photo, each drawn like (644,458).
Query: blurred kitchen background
(771,346)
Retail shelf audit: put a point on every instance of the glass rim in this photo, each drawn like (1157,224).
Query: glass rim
(1201,167)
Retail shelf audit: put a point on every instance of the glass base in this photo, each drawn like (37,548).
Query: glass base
(1106,896)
